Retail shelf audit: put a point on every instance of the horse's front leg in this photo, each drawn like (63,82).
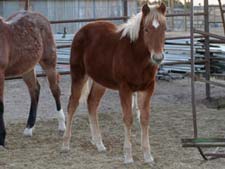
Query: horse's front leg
(135,106)
(2,124)
(126,103)
(144,106)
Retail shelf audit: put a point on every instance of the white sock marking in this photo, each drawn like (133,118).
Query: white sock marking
(28,132)
(61,120)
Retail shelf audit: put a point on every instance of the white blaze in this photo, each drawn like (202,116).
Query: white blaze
(155,23)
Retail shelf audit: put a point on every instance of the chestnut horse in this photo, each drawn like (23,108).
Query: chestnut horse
(25,40)
(123,58)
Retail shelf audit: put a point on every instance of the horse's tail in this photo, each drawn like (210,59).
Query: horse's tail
(77,66)
(85,91)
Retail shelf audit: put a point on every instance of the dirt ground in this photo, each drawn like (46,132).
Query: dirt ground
(171,120)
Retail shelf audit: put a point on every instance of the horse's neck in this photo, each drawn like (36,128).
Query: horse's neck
(140,48)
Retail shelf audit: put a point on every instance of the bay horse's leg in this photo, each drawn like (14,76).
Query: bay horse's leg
(144,106)
(94,98)
(2,124)
(126,103)
(53,79)
(34,90)
(76,91)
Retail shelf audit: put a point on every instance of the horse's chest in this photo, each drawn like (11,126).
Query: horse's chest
(139,79)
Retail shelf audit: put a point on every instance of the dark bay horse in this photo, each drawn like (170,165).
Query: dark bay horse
(124,58)
(25,40)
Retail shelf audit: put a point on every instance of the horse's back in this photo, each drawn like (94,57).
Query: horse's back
(30,40)
(93,49)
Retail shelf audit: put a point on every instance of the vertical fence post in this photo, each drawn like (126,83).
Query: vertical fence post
(125,9)
(185,18)
(27,4)
(171,5)
(207,52)
(222,15)
(193,70)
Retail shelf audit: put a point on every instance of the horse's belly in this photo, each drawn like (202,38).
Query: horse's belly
(23,60)
(17,71)
(106,82)
(19,68)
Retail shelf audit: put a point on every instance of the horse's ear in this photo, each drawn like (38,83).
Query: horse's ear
(162,8)
(145,9)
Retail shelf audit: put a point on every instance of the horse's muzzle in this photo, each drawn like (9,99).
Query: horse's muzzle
(157,58)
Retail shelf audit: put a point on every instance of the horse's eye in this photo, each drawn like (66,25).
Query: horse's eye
(146,30)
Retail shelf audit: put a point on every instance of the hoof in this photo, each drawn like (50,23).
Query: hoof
(148,159)
(100,146)
(62,127)
(2,148)
(61,133)
(128,160)
(65,149)
(28,132)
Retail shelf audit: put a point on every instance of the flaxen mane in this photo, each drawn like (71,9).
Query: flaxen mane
(132,27)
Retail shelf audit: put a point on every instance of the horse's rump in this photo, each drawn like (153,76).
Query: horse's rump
(29,38)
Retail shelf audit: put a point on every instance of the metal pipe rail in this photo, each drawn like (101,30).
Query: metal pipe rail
(42,74)
(115,18)
(206,34)
(185,14)
(88,20)
(168,38)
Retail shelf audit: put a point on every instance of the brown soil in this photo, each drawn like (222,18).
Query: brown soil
(171,120)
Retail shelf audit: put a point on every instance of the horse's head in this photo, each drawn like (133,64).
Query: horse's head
(154,27)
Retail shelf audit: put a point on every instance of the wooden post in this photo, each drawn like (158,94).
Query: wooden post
(222,14)
(27,4)
(185,18)
(171,2)
(207,52)
(125,9)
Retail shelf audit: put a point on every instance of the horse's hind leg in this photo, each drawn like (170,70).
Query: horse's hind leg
(34,90)
(78,83)
(2,124)
(94,98)
(53,80)
(144,106)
